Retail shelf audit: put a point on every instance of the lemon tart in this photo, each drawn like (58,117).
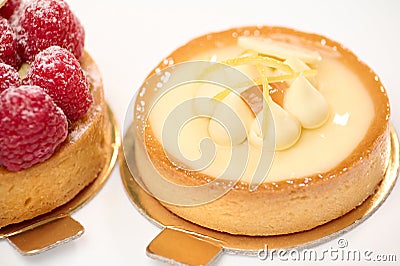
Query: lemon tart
(329,130)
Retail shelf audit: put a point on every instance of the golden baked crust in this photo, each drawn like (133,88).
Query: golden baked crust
(303,203)
(78,161)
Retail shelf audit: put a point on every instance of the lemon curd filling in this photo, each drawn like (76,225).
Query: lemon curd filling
(308,139)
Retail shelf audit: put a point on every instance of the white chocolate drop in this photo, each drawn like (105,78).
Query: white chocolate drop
(204,91)
(287,128)
(255,137)
(306,103)
(278,49)
(238,127)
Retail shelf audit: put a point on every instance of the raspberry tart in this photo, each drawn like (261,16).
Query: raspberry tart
(54,127)
(330,119)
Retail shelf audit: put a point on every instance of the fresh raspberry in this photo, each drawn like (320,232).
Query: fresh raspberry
(59,73)
(8,45)
(45,23)
(75,41)
(9,77)
(9,8)
(31,127)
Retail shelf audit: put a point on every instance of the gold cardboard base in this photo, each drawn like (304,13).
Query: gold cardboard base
(173,246)
(58,227)
(47,236)
(165,247)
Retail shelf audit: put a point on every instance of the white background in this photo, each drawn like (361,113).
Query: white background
(129,38)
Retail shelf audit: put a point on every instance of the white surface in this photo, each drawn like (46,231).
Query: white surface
(128,38)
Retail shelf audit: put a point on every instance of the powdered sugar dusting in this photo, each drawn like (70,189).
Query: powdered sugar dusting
(59,73)
(78,132)
(94,78)
(8,44)
(31,127)
(8,77)
(9,8)
(44,23)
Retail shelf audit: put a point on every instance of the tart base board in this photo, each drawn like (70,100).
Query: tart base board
(163,247)
(58,227)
